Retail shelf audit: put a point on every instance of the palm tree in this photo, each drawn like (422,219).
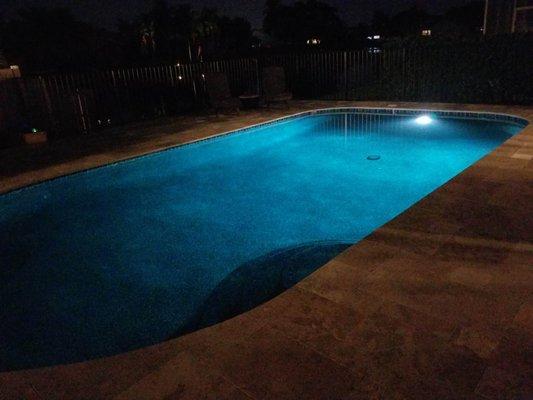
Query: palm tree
(204,26)
(164,30)
(147,35)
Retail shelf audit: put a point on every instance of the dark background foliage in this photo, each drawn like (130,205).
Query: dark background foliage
(53,39)
(79,78)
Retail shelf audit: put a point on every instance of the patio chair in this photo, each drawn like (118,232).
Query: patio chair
(219,93)
(274,86)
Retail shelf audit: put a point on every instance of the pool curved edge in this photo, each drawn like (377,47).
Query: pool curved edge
(244,324)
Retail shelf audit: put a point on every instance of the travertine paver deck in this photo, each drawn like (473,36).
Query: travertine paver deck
(436,304)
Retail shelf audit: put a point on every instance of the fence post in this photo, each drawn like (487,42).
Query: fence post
(24,100)
(114,79)
(48,102)
(257,76)
(404,75)
(345,66)
(83,112)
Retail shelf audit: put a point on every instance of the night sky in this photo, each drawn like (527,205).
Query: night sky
(106,12)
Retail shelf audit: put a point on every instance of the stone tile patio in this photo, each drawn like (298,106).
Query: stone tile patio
(436,304)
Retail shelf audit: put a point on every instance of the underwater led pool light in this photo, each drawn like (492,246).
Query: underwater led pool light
(424,120)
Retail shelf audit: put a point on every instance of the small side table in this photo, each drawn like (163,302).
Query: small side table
(249,101)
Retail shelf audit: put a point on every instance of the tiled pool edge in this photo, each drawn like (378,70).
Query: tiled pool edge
(381,111)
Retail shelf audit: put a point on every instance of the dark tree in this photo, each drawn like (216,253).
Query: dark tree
(180,34)
(159,34)
(410,22)
(467,19)
(204,33)
(276,21)
(235,37)
(294,25)
(380,23)
(53,39)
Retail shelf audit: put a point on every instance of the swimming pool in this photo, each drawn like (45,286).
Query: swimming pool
(137,252)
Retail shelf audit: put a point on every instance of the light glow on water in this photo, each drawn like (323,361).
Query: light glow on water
(424,120)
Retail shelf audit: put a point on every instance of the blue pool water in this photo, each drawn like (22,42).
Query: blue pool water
(135,253)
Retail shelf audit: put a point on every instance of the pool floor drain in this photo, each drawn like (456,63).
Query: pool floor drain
(373,157)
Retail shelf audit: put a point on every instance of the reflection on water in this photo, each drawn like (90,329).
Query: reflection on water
(360,125)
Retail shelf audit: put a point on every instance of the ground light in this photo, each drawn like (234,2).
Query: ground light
(424,120)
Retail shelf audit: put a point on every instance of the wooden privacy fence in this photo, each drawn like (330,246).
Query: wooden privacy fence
(72,104)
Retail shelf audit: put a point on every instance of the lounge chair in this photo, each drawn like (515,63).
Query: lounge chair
(219,93)
(274,86)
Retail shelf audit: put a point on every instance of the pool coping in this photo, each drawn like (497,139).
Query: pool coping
(94,379)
